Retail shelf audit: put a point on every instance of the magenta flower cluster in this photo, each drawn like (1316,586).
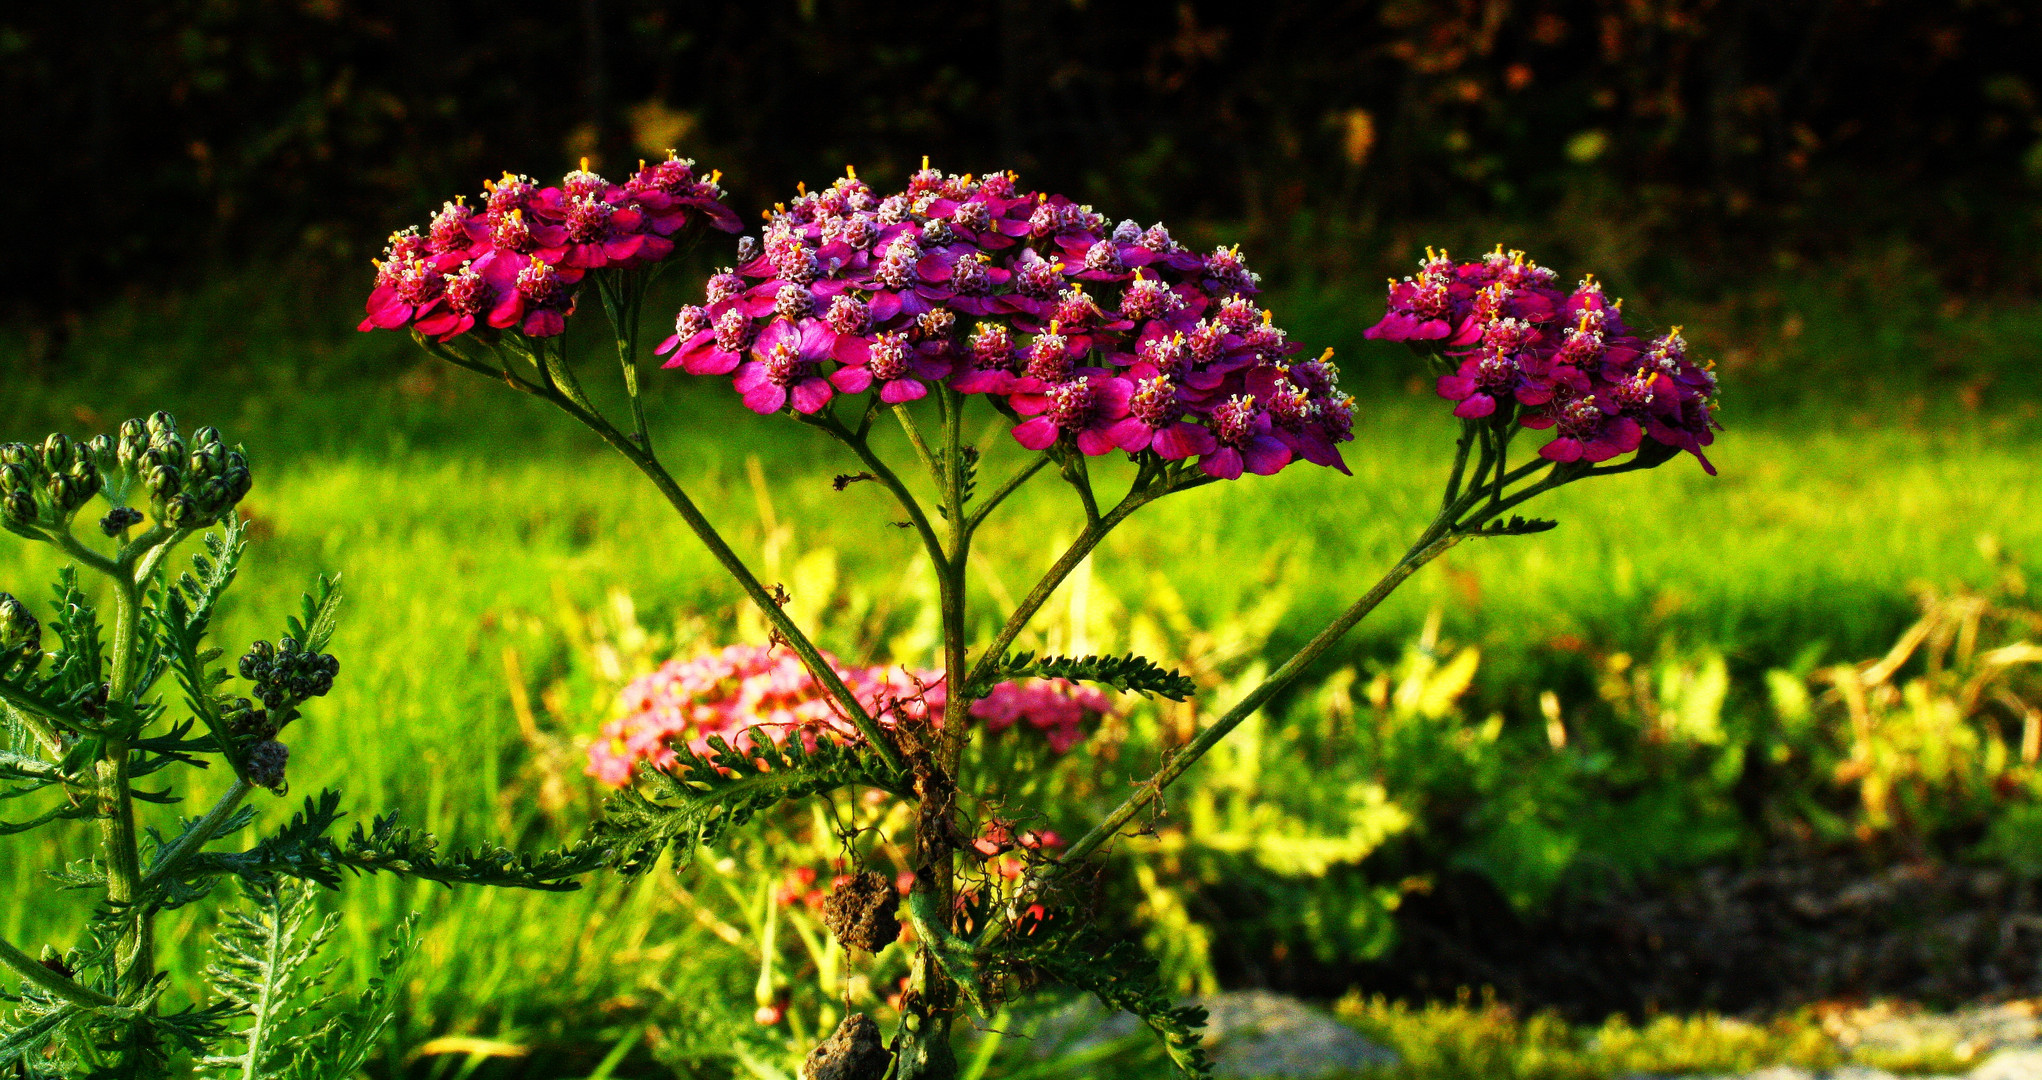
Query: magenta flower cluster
(1106,337)
(743,692)
(1058,708)
(513,262)
(1564,360)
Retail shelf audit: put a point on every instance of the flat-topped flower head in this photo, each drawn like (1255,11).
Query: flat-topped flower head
(974,283)
(586,224)
(1522,350)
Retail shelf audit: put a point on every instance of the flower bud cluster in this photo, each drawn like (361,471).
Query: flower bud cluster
(743,693)
(1560,360)
(1100,338)
(513,261)
(189,485)
(287,673)
(21,638)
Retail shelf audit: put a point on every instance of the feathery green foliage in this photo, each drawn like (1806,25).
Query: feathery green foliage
(698,799)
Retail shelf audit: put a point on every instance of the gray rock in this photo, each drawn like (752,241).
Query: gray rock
(1250,1034)
(1257,1034)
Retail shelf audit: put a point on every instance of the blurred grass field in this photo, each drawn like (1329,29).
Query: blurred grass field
(475,532)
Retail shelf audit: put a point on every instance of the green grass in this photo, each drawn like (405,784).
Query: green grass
(473,529)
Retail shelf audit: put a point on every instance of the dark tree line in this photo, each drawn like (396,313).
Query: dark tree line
(149,140)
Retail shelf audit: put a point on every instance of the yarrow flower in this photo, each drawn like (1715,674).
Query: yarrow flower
(1552,359)
(744,693)
(971,283)
(479,269)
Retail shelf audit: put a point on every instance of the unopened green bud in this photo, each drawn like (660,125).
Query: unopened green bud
(206,436)
(161,426)
(18,508)
(15,453)
(238,483)
(134,440)
(207,461)
(86,481)
(13,478)
(163,481)
(58,453)
(179,512)
(99,450)
(17,626)
(215,496)
(173,449)
(21,636)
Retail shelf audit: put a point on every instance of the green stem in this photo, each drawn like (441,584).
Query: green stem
(32,970)
(1446,530)
(199,835)
(1137,497)
(907,424)
(620,304)
(1436,540)
(648,463)
(890,480)
(134,957)
(1461,447)
(1000,494)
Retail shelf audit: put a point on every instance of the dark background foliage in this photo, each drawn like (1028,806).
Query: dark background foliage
(150,140)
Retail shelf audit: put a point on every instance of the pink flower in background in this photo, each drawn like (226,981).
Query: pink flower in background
(744,693)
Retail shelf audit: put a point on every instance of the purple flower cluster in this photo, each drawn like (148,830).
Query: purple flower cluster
(1564,360)
(512,263)
(1110,338)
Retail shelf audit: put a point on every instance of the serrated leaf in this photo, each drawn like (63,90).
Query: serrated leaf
(1122,977)
(1130,673)
(701,797)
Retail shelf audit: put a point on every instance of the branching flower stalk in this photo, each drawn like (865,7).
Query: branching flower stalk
(1091,340)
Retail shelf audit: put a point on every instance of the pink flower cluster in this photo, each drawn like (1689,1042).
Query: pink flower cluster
(1564,360)
(741,691)
(1058,708)
(1112,338)
(513,262)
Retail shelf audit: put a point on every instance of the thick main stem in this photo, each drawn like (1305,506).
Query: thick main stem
(925,1052)
(135,954)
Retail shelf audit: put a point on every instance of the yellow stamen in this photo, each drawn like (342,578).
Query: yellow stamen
(1617,304)
(1268,317)
(925,163)
(1584,322)
(801,187)
(715,175)
(851,171)
(641,164)
(1327,356)
(584,164)
(1675,332)
(1054,325)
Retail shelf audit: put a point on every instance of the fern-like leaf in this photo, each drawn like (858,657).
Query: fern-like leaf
(1123,977)
(701,797)
(303,850)
(264,970)
(1130,673)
